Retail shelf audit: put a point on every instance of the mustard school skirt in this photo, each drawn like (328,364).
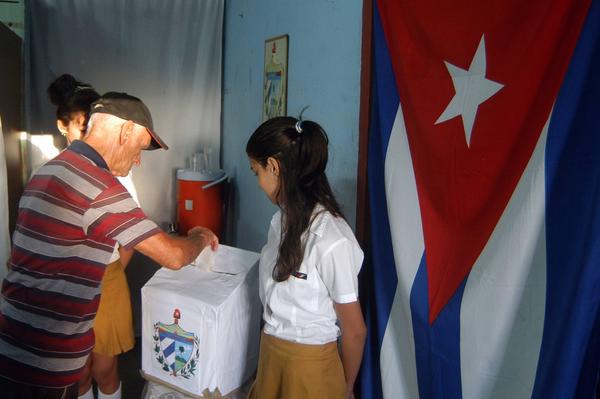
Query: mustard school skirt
(297,371)
(113,326)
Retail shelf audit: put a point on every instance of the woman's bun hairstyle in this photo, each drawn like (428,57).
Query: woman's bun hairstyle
(61,89)
(69,96)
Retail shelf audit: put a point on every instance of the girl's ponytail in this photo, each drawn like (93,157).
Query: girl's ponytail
(300,148)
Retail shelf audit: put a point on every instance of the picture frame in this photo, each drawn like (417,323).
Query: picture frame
(275,77)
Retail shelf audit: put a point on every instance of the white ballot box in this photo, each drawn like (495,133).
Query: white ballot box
(201,325)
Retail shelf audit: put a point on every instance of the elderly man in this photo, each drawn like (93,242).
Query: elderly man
(72,217)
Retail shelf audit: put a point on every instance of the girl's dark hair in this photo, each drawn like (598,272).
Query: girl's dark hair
(300,147)
(70,96)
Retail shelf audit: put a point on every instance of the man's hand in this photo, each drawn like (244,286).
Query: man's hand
(206,235)
(176,252)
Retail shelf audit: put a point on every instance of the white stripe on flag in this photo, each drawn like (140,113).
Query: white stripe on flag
(502,310)
(398,364)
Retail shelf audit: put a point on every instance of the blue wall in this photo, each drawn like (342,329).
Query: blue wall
(324,73)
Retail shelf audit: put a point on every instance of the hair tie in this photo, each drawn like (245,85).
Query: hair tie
(83,87)
(299,127)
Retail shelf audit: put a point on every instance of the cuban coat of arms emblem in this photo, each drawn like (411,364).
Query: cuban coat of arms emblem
(176,350)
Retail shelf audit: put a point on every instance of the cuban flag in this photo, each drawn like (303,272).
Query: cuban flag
(484,183)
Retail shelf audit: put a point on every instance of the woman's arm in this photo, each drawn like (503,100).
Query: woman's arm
(354,333)
(125,256)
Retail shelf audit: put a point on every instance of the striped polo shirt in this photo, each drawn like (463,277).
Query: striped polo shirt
(72,214)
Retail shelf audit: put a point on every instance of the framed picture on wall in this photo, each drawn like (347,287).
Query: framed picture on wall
(275,77)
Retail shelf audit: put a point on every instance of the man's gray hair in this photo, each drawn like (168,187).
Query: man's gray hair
(110,121)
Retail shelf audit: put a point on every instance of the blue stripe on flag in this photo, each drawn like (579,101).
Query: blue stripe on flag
(570,352)
(378,283)
(437,347)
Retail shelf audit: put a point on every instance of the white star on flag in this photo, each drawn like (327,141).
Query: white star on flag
(472,89)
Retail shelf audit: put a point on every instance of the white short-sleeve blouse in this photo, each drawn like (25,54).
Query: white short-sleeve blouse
(301,309)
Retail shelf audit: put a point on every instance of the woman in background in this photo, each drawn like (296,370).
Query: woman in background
(73,100)
(308,270)
(113,327)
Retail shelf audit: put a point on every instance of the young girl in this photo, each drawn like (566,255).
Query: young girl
(308,270)
(113,326)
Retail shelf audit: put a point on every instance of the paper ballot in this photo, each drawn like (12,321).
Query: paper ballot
(225,260)
(206,259)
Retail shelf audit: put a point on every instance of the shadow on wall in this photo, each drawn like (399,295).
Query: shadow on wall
(138,272)
(343,191)
(184,67)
